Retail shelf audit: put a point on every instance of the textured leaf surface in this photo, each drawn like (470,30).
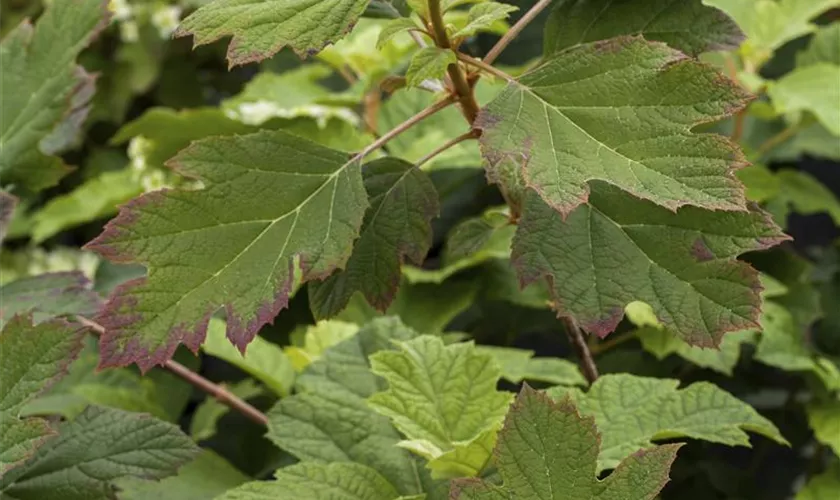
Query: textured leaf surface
(328,420)
(311,481)
(260,28)
(617,249)
(824,419)
(686,25)
(49,295)
(519,364)
(263,360)
(814,89)
(270,200)
(533,466)
(397,226)
(428,63)
(99,446)
(619,111)
(632,411)
(439,396)
(204,478)
(42,86)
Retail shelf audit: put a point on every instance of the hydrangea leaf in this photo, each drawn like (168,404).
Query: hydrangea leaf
(619,111)
(262,360)
(260,28)
(395,27)
(824,419)
(617,249)
(484,15)
(229,244)
(43,90)
(802,193)
(397,226)
(533,466)
(317,339)
(662,343)
(632,411)
(814,89)
(470,243)
(313,481)
(48,296)
(441,397)
(328,420)
(825,486)
(686,25)
(824,47)
(206,417)
(519,364)
(99,446)
(205,477)
(429,63)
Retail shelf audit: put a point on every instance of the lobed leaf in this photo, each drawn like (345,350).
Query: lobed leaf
(534,466)
(44,94)
(260,28)
(622,112)
(617,249)
(686,25)
(632,411)
(397,226)
(272,202)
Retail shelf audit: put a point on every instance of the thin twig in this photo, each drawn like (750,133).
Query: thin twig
(402,127)
(215,390)
(575,334)
(478,63)
(453,142)
(515,30)
(613,341)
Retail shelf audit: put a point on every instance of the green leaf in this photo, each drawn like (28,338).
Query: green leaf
(397,226)
(7,212)
(519,364)
(99,446)
(316,339)
(610,252)
(272,202)
(48,296)
(262,360)
(686,25)
(96,198)
(260,28)
(484,15)
(824,47)
(761,183)
(813,89)
(312,481)
(662,343)
(824,419)
(802,193)
(825,486)
(328,420)
(395,27)
(533,466)
(632,411)
(205,477)
(45,94)
(617,111)
(429,63)
(441,397)
(208,413)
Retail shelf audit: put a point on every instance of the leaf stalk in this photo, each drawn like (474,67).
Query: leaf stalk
(587,363)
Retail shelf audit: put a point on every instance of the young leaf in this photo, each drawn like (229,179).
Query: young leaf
(397,226)
(429,63)
(518,365)
(825,486)
(441,397)
(534,466)
(393,28)
(617,249)
(328,421)
(208,476)
(42,87)
(686,25)
(484,15)
(270,200)
(48,296)
(814,89)
(619,111)
(632,411)
(262,360)
(313,481)
(316,339)
(260,28)
(824,419)
(99,446)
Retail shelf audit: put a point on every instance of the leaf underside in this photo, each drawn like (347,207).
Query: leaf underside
(272,201)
